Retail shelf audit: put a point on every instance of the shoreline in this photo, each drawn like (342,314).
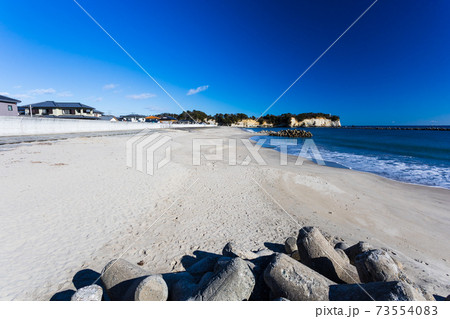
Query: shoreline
(340,166)
(356,151)
(54,230)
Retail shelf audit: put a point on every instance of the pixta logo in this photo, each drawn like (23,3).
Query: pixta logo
(148,151)
(210,149)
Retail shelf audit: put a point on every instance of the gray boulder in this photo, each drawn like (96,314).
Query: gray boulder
(232,250)
(341,245)
(126,281)
(121,277)
(173,277)
(258,265)
(290,245)
(205,279)
(183,290)
(357,249)
(290,279)
(416,294)
(252,265)
(264,252)
(376,265)
(398,263)
(234,282)
(152,288)
(296,255)
(317,253)
(221,263)
(202,266)
(179,284)
(261,291)
(88,293)
(342,254)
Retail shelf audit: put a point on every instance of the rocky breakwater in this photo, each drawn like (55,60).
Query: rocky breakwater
(289,133)
(312,267)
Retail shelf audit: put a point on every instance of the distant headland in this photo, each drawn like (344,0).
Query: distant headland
(269,120)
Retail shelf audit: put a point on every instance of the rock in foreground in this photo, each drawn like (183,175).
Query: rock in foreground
(120,277)
(235,282)
(152,288)
(126,281)
(376,265)
(290,245)
(234,250)
(290,279)
(316,252)
(356,249)
(88,293)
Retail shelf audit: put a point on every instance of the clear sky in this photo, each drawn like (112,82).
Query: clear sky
(392,67)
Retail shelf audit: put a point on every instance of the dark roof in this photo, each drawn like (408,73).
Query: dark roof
(61,105)
(69,116)
(168,118)
(107,117)
(8,99)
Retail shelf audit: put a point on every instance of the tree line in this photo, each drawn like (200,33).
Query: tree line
(229,119)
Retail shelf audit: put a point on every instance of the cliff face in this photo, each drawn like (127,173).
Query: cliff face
(246,123)
(315,122)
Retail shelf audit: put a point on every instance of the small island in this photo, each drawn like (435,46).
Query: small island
(289,133)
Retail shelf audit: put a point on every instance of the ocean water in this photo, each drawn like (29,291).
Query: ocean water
(418,157)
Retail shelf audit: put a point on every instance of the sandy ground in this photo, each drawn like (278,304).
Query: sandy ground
(71,205)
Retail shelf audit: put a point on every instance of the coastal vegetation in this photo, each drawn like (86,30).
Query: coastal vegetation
(285,119)
(229,119)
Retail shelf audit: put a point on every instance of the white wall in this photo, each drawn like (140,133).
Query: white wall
(4,109)
(18,125)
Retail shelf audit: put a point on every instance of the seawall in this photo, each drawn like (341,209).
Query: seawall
(16,126)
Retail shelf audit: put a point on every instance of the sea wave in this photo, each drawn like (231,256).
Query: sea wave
(404,169)
(408,169)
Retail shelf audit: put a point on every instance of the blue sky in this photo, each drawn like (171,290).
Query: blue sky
(392,67)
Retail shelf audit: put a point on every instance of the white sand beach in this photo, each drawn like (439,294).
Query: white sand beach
(73,204)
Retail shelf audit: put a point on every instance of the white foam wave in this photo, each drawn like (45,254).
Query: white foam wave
(398,168)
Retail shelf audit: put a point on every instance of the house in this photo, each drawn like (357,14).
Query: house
(133,118)
(110,118)
(60,109)
(167,119)
(98,113)
(8,106)
(152,119)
